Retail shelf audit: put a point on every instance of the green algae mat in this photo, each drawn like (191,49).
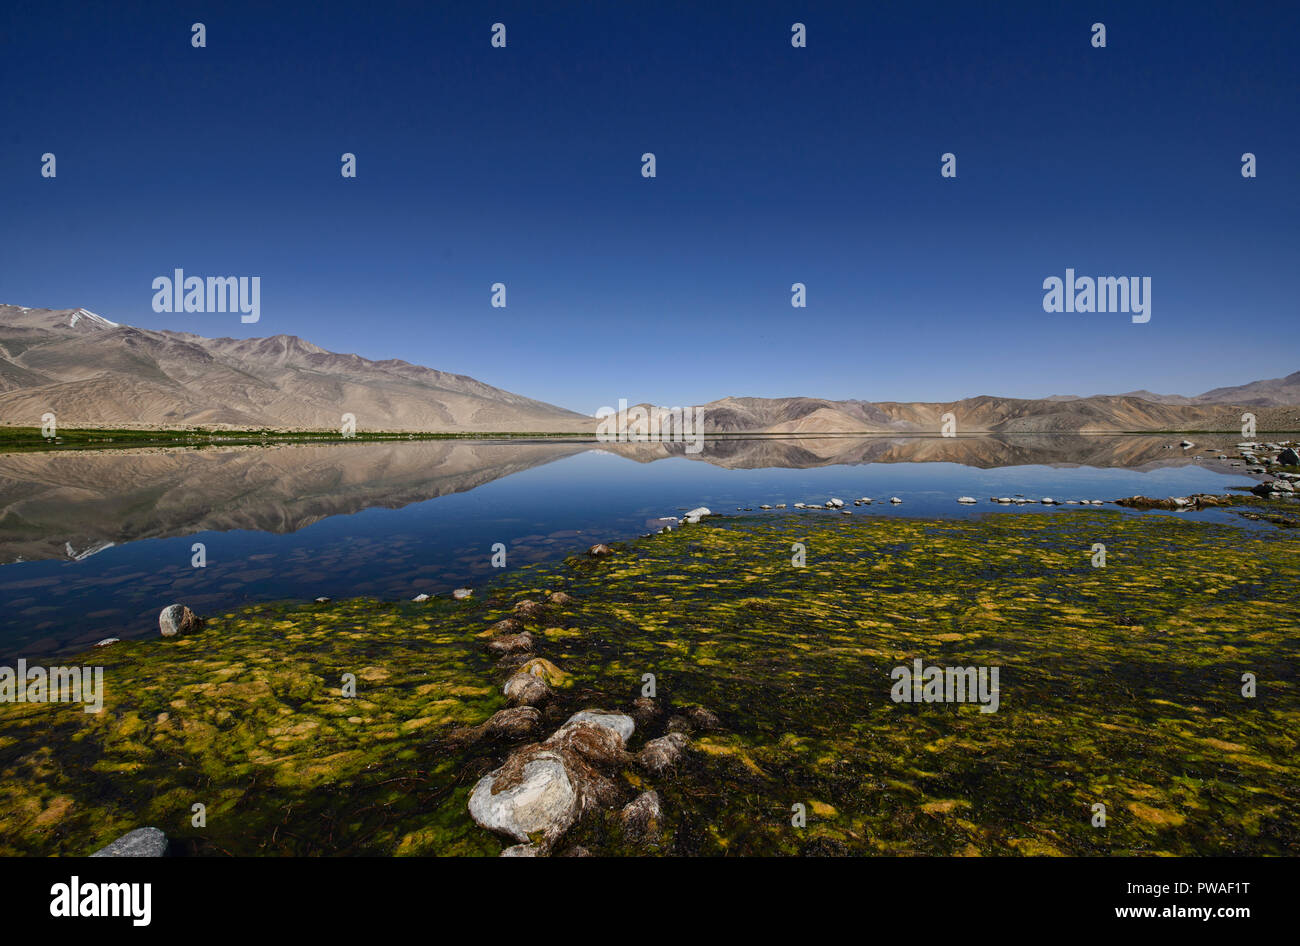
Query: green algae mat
(1149,706)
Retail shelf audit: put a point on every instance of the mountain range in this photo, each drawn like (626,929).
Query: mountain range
(1273,392)
(92,372)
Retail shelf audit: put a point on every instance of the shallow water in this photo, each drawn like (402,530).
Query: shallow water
(95,543)
(1119,685)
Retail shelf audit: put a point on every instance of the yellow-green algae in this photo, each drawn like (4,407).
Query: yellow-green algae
(1119,685)
(248,718)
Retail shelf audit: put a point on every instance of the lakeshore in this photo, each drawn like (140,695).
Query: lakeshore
(1120,685)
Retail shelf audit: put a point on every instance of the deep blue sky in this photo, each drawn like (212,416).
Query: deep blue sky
(775,165)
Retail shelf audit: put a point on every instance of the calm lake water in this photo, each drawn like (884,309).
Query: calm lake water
(93,544)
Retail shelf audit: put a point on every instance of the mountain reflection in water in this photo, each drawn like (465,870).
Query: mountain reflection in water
(95,542)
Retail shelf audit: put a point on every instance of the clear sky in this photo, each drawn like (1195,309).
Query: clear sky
(775,165)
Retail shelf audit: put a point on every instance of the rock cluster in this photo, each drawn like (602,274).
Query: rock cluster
(1279,486)
(544,788)
(1196,501)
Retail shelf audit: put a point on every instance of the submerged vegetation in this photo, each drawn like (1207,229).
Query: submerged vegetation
(1119,685)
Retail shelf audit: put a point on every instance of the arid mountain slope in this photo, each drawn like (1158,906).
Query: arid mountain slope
(984,414)
(93,372)
(1274,392)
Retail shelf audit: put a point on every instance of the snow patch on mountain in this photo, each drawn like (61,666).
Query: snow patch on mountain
(89,316)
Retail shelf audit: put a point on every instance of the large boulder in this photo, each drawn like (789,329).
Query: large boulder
(1289,457)
(532,794)
(142,842)
(177,619)
(544,788)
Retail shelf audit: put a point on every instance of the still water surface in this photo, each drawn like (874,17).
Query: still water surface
(93,544)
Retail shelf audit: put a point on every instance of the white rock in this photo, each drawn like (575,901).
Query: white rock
(966,500)
(142,842)
(420,598)
(895,500)
(544,800)
(620,723)
(460,594)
